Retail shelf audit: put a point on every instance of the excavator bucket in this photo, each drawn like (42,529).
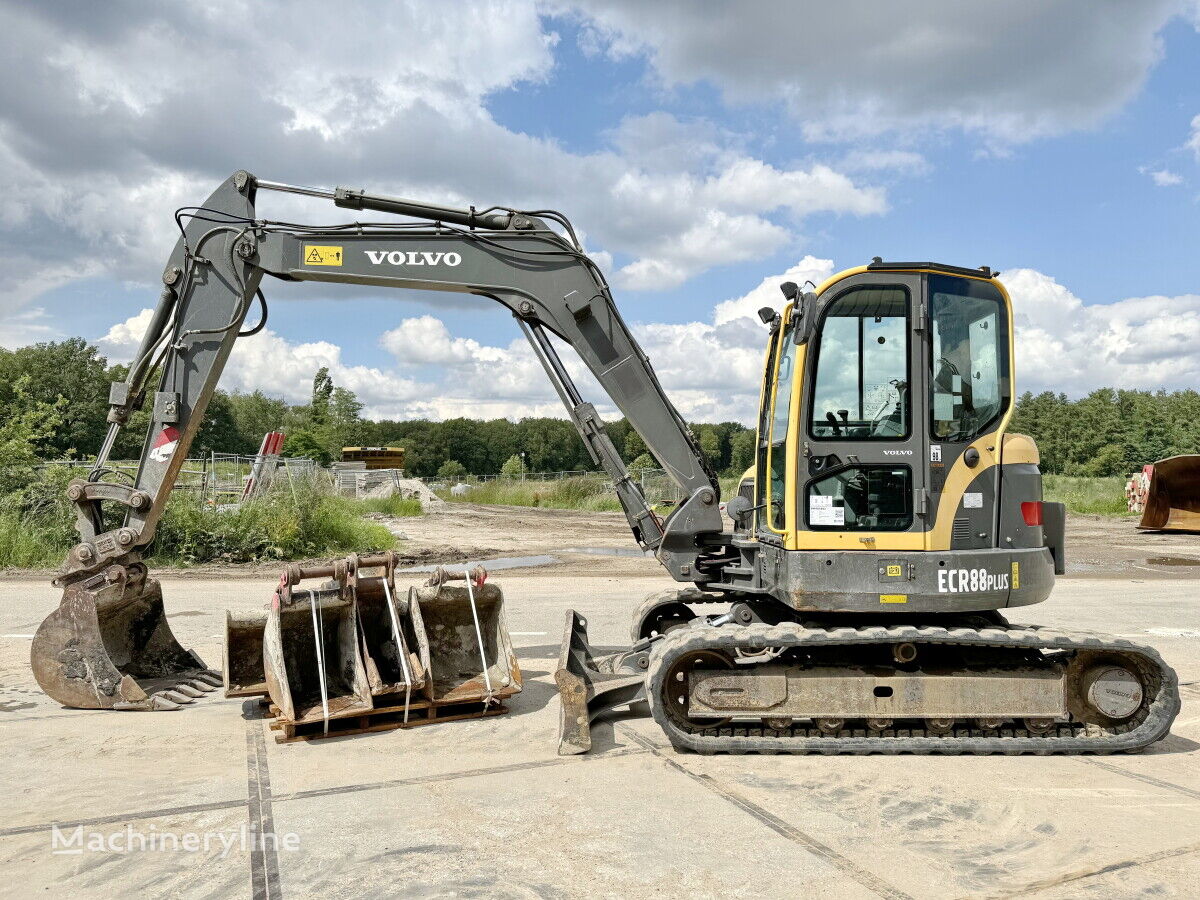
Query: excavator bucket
(243,662)
(392,634)
(108,646)
(1167,493)
(312,658)
(589,685)
(464,642)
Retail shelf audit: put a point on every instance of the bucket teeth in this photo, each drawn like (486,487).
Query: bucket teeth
(188,691)
(175,696)
(213,678)
(202,686)
(158,701)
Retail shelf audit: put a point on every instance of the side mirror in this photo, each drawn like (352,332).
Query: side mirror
(738,508)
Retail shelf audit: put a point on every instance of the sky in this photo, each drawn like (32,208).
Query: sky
(705,152)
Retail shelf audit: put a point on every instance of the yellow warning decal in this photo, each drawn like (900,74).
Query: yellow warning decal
(319,255)
(894,571)
(1016,575)
(893,598)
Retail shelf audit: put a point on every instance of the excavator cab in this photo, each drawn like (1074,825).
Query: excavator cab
(882,430)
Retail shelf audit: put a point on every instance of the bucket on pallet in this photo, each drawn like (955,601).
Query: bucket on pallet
(467,648)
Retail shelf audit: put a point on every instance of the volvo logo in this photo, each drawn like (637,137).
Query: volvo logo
(413,258)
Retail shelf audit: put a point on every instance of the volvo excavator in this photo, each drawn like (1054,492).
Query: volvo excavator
(855,600)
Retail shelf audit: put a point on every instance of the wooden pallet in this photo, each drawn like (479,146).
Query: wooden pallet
(386,718)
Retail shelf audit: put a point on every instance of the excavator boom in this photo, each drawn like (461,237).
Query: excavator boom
(210,286)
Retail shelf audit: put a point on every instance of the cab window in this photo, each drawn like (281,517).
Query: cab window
(780,418)
(969,388)
(862,498)
(861,390)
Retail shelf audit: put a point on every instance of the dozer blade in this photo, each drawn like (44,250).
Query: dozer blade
(243,662)
(1171,499)
(590,685)
(108,646)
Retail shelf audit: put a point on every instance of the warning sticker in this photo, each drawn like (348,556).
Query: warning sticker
(894,571)
(935,453)
(1016,576)
(165,444)
(319,255)
(973,501)
(893,598)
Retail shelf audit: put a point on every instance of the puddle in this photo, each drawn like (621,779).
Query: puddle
(492,565)
(610,551)
(1173,561)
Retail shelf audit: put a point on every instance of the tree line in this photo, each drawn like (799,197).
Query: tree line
(63,385)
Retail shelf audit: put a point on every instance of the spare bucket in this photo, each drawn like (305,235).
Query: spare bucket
(312,656)
(1168,492)
(467,649)
(243,663)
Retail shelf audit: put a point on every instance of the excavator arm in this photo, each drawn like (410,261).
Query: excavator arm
(210,286)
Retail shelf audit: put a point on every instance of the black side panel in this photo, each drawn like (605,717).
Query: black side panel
(1054,526)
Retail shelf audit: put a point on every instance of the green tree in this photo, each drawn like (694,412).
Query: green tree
(643,461)
(451,468)
(312,442)
(513,466)
(72,369)
(23,433)
(741,456)
(322,391)
(255,414)
(634,445)
(710,444)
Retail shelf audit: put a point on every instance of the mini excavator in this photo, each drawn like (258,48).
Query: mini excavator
(859,588)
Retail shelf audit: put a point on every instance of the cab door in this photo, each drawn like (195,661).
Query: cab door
(861,475)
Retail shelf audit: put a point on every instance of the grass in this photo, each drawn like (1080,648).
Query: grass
(1096,496)
(581,493)
(565,493)
(303,520)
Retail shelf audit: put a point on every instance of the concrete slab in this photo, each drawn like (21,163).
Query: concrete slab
(488,808)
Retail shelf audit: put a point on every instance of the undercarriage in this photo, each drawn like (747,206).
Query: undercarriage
(853,684)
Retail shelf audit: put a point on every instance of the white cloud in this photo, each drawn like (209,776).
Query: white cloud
(711,370)
(174,98)
(1064,345)
(282,368)
(767,293)
(1162,177)
(903,161)
(29,326)
(1194,140)
(1010,72)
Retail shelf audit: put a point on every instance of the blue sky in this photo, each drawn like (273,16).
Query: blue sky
(703,153)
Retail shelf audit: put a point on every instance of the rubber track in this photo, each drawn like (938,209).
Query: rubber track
(1152,723)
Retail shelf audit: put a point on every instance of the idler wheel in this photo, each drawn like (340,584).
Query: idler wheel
(675,687)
